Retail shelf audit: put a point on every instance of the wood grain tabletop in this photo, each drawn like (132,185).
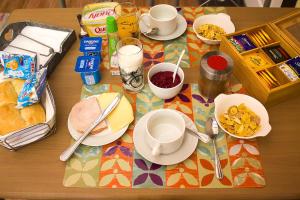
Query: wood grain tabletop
(35,171)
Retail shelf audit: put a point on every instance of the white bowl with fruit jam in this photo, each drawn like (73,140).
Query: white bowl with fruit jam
(161,83)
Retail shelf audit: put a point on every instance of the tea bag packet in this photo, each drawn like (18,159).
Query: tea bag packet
(244,41)
(32,89)
(268,78)
(294,63)
(260,38)
(236,44)
(18,66)
(288,72)
(257,60)
(277,54)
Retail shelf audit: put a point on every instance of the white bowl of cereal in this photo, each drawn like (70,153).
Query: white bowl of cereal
(241,116)
(209,28)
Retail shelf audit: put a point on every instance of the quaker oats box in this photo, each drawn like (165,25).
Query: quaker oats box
(94,17)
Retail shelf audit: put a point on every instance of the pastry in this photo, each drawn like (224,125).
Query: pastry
(33,114)
(10,119)
(8,94)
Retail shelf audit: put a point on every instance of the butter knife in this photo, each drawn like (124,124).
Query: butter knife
(69,151)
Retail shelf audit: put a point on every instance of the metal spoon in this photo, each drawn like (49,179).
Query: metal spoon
(151,31)
(201,136)
(212,130)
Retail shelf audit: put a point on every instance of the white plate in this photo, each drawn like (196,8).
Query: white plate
(187,148)
(102,138)
(180,29)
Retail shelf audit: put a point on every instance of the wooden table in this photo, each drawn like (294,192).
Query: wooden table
(36,172)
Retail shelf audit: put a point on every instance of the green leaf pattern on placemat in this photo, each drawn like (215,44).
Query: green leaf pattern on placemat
(83,168)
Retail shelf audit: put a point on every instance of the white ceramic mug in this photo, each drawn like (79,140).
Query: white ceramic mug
(165,131)
(163,17)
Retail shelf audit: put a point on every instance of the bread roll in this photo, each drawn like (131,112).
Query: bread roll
(8,94)
(33,114)
(10,119)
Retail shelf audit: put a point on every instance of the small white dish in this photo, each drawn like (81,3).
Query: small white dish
(165,93)
(223,102)
(186,149)
(221,19)
(180,29)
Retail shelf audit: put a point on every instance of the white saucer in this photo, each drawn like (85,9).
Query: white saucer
(187,148)
(180,29)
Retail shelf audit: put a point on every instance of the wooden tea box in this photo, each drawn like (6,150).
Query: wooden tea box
(261,68)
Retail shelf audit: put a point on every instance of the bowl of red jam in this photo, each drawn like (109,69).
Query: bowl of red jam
(160,79)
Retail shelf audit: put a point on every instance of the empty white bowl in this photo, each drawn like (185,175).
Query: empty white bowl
(223,102)
(165,93)
(222,20)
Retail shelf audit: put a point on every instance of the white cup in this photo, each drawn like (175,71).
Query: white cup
(163,17)
(165,131)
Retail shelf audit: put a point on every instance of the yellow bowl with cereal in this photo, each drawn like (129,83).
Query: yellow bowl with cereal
(209,28)
(241,116)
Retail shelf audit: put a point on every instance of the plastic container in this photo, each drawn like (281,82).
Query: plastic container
(215,71)
(88,67)
(91,46)
(94,17)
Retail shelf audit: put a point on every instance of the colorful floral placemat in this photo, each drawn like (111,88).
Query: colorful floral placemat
(118,165)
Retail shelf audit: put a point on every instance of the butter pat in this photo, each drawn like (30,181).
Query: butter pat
(121,116)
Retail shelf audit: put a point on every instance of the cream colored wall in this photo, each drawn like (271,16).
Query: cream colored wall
(298,4)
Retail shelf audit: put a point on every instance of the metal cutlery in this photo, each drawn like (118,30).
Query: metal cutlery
(212,130)
(201,136)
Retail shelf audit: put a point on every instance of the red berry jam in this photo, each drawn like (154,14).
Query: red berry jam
(164,79)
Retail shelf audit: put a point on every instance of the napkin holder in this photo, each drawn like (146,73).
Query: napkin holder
(15,29)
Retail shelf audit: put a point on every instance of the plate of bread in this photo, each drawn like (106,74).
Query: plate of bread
(113,127)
